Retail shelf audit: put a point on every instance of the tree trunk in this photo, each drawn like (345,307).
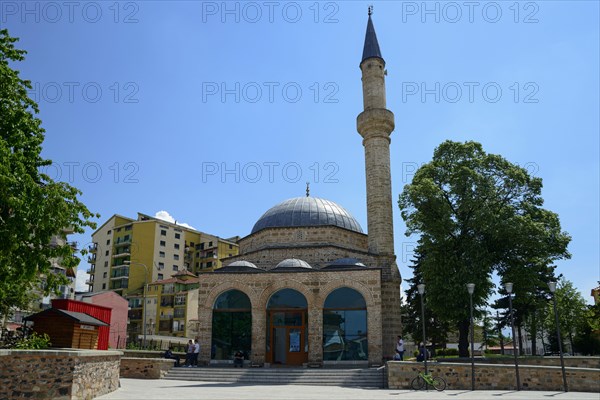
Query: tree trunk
(520,334)
(463,338)
(533,334)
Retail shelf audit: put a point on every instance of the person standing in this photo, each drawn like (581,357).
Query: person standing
(189,354)
(196,353)
(400,348)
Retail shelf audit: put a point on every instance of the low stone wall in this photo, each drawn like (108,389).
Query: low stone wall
(58,374)
(495,377)
(145,368)
(570,361)
(150,354)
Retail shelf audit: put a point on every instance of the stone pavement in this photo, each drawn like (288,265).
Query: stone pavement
(141,389)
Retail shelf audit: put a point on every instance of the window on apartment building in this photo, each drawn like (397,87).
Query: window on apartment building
(128,227)
(175,268)
(197,254)
(103,286)
(192,244)
(163,232)
(108,233)
(176,245)
(161,254)
(229,255)
(163,243)
(105,264)
(104,275)
(118,229)
(161,266)
(231,246)
(201,246)
(106,254)
(178,236)
(197,265)
(175,256)
(209,264)
(108,242)
(160,277)
(209,244)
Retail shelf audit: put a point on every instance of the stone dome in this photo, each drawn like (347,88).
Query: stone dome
(307,211)
(293,263)
(241,263)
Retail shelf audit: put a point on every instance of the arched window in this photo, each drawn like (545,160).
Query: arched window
(345,326)
(231,325)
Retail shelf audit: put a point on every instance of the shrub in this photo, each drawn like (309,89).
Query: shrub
(34,342)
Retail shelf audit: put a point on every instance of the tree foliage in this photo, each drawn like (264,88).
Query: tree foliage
(33,207)
(477,214)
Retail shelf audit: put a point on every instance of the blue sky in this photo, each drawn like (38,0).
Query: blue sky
(216,111)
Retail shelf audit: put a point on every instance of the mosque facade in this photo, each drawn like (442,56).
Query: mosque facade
(308,286)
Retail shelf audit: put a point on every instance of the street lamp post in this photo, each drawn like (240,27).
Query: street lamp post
(509,288)
(143,297)
(552,286)
(421,289)
(471,289)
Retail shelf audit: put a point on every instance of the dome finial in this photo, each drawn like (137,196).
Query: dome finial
(370,10)
(307,189)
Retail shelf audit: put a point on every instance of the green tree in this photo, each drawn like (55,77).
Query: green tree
(476,213)
(572,310)
(436,328)
(33,207)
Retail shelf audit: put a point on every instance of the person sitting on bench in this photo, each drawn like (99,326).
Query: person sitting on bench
(238,359)
(169,354)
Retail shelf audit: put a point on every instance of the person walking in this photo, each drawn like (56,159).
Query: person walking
(400,349)
(196,353)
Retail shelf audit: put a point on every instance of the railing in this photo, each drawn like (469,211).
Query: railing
(122,284)
(93,247)
(118,273)
(91,259)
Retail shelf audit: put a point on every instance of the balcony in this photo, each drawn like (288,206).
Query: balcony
(135,314)
(92,270)
(119,273)
(90,281)
(93,247)
(120,284)
(91,259)
(123,241)
(124,253)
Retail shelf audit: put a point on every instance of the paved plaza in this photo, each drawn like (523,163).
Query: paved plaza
(169,389)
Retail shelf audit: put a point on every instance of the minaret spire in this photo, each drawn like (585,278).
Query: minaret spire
(371,47)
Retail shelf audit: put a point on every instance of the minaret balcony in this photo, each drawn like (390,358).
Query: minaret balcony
(375,122)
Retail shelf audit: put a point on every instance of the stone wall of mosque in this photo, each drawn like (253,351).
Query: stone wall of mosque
(315,285)
(317,245)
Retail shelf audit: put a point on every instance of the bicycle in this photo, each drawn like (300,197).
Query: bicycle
(423,379)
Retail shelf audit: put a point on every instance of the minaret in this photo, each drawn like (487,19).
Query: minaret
(375,124)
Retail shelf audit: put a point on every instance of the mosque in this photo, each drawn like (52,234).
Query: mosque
(309,287)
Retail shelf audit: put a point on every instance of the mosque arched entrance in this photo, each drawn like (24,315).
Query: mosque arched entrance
(287,328)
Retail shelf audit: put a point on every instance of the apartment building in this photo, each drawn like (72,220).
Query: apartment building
(126,253)
(171,307)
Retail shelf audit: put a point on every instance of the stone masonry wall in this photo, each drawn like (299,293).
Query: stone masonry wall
(145,368)
(496,377)
(314,285)
(570,361)
(58,374)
